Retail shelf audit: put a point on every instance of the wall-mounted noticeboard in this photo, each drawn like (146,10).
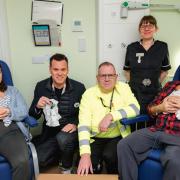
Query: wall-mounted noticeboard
(47,10)
(41,34)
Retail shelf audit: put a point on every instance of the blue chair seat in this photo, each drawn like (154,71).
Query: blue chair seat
(151,168)
(155,154)
(5,169)
(2,159)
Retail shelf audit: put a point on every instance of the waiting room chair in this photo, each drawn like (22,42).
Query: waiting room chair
(5,167)
(151,168)
(177,74)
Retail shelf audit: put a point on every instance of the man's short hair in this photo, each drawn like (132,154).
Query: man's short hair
(58,57)
(106,63)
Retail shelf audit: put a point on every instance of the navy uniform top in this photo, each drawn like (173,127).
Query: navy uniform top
(145,68)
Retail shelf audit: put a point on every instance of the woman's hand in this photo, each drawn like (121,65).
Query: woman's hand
(4,112)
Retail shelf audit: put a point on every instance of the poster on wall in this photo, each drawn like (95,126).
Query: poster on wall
(47,9)
(41,34)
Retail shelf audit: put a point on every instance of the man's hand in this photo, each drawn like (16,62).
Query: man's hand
(4,112)
(42,102)
(105,122)
(69,128)
(85,165)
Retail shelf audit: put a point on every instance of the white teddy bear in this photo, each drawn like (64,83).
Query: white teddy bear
(51,114)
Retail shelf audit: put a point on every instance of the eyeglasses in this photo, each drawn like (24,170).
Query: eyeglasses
(109,76)
(147,26)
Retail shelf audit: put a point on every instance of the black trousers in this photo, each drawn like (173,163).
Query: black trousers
(57,147)
(133,149)
(104,149)
(14,148)
(68,144)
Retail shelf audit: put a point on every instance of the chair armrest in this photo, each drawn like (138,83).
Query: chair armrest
(30,121)
(140,118)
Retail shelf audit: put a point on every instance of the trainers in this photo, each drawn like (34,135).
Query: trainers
(64,170)
(74,170)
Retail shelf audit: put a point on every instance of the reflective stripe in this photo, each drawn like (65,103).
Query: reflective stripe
(123,113)
(166,65)
(86,128)
(93,133)
(112,125)
(123,128)
(83,142)
(83,128)
(134,107)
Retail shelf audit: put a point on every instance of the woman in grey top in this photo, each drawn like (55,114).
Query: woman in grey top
(12,142)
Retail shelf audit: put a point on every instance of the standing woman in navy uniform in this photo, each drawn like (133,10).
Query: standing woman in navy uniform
(146,63)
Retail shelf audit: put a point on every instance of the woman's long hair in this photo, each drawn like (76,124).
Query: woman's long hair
(3,86)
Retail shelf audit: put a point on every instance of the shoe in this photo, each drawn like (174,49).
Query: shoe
(64,170)
(74,170)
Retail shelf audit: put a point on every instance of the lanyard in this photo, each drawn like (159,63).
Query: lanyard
(110,104)
(63,90)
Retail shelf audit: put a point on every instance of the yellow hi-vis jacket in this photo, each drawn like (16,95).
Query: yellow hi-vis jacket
(95,105)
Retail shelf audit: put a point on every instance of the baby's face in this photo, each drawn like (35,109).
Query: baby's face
(177,87)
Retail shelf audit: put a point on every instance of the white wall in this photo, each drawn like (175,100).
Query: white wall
(82,65)
(115,33)
(169,28)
